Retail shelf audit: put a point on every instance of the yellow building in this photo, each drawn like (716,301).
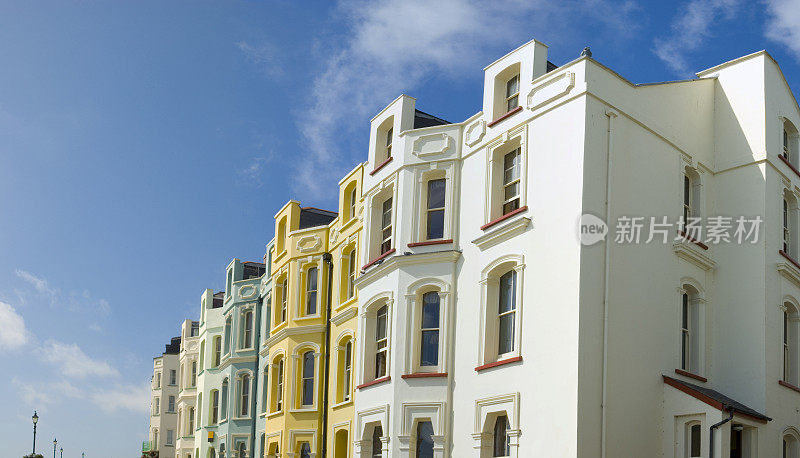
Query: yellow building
(313,265)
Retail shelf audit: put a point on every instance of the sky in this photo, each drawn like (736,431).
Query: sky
(145,144)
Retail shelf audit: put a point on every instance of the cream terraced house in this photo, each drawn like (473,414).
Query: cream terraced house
(187,389)
(486,329)
(164,401)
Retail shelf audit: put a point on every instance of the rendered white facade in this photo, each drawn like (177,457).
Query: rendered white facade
(595,328)
(164,401)
(187,386)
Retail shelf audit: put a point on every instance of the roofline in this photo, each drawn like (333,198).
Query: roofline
(352,171)
(287,204)
(390,104)
(710,401)
(733,62)
(534,40)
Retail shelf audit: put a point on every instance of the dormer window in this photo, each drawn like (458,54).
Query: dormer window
(512,93)
(389,143)
(789,144)
(511,181)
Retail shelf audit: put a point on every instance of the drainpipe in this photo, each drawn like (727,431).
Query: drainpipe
(254,382)
(611,114)
(715,426)
(329,262)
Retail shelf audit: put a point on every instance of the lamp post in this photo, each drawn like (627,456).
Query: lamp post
(62,452)
(55,442)
(35,419)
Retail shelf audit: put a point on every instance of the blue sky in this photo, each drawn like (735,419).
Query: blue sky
(144,144)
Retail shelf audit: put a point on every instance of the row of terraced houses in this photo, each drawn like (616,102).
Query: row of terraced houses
(447,308)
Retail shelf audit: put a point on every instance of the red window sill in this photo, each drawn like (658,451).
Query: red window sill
(378,259)
(504,217)
(431,242)
(786,161)
(690,375)
(425,375)
(789,258)
(788,385)
(507,115)
(502,362)
(381,165)
(692,239)
(377,381)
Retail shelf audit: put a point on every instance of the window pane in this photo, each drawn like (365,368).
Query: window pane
(387,212)
(512,86)
(429,353)
(380,328)
(501,445)
(695,441)
(511,191)
(506,343)
(430,310)
(512,103)
(436,192)
(311,292)
(424,439)
(508,286)
(380,364)
(377,446)
(305,450)
(308,364)
(435,224)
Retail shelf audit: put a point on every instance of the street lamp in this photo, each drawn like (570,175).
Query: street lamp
(55,442)
(62,452)
(35,419)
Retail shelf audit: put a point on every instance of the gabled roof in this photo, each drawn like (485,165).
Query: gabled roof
(313,217)
(715,399)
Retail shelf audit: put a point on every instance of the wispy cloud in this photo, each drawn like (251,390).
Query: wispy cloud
(74,301)
(690,28)
(13,333)
(252,174)
(73,362)
(133,398)
(264,56)
(394,46)
(39,284)
(783,24)
(123,397)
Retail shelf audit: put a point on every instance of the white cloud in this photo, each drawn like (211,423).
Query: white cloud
(690,28)
(40,284)
(783,24)
(73,362)
(135,398)
(13,333)
(394,46)
(264,56)
(251,174)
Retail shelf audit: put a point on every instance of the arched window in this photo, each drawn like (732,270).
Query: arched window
(228,335)
(691,330)
(347,370)
(280,240)
(377,444)
(202,353)
(384,137)
(506,91)
(214,407)
(199,409)
(424,444)
(386,226)
(429,332)
(694,434)
(381,341)
(311,291)
(244,395)
(284,293)
(224,403)
(790,344)
(790,445)
(277,385)
(307,381)
(263,445)
(217,344)
(506,313)
(789,150)
(212,453)
(340,446)
(434,215)
(222,450)
(191,421)
(692,207)
(500,443)
(247,329)
(242,451)
(790,222)
(264,385)
(350,260)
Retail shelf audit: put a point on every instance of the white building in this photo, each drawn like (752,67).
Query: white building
(187,389)
(164,401)
(487,329)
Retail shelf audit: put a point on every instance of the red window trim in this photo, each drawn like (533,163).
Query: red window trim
(381,165)
(786,161)
(425,375)
(692,239)
(690,375)
(788,385)
(502,362)
(374,382)
(791,259)
(430,242)
(506,115)
(379,258)
(504,217)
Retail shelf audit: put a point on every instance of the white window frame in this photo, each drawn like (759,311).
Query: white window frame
(486,411)
(490,277)
(247,340)
(240,394)
(512,96)
(297,374)
(495,163)
(790,341)
(366,342)
(414,299)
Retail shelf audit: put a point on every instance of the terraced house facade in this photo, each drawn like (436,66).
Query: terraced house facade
(449,308)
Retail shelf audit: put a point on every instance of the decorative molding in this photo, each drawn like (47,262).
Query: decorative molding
(286,332)
(341,317)
(550,90)
(789,272)
(393,262)
(475,132)
(309,243)
(687,251)
(431,145)
(506,231)
(245,294)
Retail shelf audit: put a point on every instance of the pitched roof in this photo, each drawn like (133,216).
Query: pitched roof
(715,399)
(313,217)
(422,119)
